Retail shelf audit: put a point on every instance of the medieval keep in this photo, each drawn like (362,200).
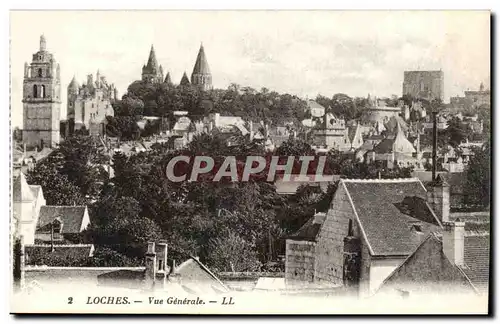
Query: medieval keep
(41,99)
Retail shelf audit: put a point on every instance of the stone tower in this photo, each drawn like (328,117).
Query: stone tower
(41,99)
(151,72)
(73,89)
(201,76)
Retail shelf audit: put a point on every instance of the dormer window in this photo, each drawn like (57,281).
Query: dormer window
(57,226)
(417,228)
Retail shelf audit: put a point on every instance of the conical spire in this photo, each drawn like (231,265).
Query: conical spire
(152,63)
(73,85)
(184,80)
(201,65)
(168,80)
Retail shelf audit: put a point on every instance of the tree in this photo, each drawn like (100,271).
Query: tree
(232,253)
(57,189)
(457,132)
(478,178)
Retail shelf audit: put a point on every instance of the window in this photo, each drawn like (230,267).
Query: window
(42,91)
(35,91)
(160,265)
(40,73)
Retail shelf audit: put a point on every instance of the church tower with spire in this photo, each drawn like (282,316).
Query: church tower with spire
(41,99)
(201,76)
(151,72)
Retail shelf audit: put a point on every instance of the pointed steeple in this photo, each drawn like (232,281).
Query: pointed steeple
(184,80)
(401,143)
(168,80)
(21,190)
(73,86)
(43,43)
(152,62)
(201,65)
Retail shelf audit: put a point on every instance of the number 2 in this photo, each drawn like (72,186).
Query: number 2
(70,300)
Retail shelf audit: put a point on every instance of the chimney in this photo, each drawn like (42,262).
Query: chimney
(434,145)
(319,218)
(18,269)
(438,197)
(162,249)
(150,274)
(453,241)
(419,154)
(161,264)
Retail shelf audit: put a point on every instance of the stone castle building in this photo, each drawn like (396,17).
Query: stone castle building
(152,72)
(90,103)
(201,77)
(426,85)
(41,99)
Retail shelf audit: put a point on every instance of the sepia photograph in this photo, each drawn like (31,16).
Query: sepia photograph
(250,162)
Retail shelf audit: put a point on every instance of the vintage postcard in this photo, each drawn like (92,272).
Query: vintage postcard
(250,162)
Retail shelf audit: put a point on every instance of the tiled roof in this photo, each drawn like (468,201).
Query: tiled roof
(21,191)
(70,216)
(387,210)
(435,272)
(477,260)
(308,231)
(36,253)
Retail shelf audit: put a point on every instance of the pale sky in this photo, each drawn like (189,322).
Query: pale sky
(298,52)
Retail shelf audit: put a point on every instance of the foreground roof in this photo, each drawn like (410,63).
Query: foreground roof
(393,213)
(477,260)
(71,217)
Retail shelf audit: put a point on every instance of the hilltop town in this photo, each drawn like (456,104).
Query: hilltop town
(408,210)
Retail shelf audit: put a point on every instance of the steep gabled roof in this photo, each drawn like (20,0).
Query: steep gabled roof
(441,272)
(308,232)
(388,210)
(168,80)
(353,132)
(190,269)
(21,191)
(184,80)
(70,216)
(397,144)
(201,65)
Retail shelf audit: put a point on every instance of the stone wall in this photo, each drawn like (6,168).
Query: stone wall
(330,241)
(364,281)
(300,261)
(424,84)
